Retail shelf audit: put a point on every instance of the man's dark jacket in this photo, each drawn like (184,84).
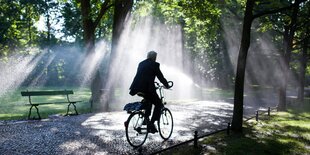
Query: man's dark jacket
(145,77)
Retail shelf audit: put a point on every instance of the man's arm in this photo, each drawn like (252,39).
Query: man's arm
(161,77)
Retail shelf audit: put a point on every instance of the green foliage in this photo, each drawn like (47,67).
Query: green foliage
(73,27)
(267,5)
(142,8)
(17,20)
(72,21)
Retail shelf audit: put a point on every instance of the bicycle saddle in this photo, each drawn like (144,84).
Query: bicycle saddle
(140,94)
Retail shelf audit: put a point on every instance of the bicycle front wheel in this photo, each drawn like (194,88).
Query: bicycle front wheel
(165,124)
(136,131)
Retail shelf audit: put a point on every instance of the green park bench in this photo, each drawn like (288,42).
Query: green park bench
(50,93)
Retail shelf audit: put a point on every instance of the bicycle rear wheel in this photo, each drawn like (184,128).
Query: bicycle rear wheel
(136,131)
(165,124)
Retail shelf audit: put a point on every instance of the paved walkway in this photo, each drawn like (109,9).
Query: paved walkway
(104,133)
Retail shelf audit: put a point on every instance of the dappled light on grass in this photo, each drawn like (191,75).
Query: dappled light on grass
(282,133)
(13,106)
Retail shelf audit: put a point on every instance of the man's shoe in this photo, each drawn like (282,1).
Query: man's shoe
(151,128)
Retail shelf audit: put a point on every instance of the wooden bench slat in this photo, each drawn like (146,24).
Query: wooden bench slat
(44,93)
(53,102)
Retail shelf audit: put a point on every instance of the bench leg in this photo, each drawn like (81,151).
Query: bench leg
(68,109)
(38,112)
(30,112)
(75,109)
(73,103)
(36,109)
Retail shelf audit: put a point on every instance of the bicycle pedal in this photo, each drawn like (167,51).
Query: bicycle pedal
(126,124)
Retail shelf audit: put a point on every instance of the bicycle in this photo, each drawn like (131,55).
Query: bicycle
(136,124)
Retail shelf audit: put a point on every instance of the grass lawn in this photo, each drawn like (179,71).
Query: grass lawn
(14,107)
(284,133)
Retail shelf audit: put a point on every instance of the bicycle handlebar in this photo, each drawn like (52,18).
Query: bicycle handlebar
(170,84)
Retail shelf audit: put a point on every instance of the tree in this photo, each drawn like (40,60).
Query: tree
(89,26)
(122,9)
(303,44)
(121,13)
(245,43)
(287,44)
(239,83)
(303,65)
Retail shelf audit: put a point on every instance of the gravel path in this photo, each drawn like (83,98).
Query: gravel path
(104,133)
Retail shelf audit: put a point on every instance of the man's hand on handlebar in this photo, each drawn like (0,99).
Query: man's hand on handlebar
(170,84)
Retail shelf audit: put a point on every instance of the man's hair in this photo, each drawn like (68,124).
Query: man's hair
(152,55)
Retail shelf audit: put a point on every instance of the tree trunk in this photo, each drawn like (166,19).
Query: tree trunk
(122,8)
(303,65)
(239,84)
(282,89)
(28,11)
(89,26)
(288,45)
(121,13)
(89,43)
(185,64)
(48,24)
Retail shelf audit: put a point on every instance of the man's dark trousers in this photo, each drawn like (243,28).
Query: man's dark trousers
(153,98)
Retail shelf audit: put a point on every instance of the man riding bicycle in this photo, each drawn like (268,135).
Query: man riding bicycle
(143,85)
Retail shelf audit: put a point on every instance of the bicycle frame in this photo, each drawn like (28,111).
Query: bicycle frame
(160,89)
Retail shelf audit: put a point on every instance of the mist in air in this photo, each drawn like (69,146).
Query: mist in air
(70,67)
(141,37)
